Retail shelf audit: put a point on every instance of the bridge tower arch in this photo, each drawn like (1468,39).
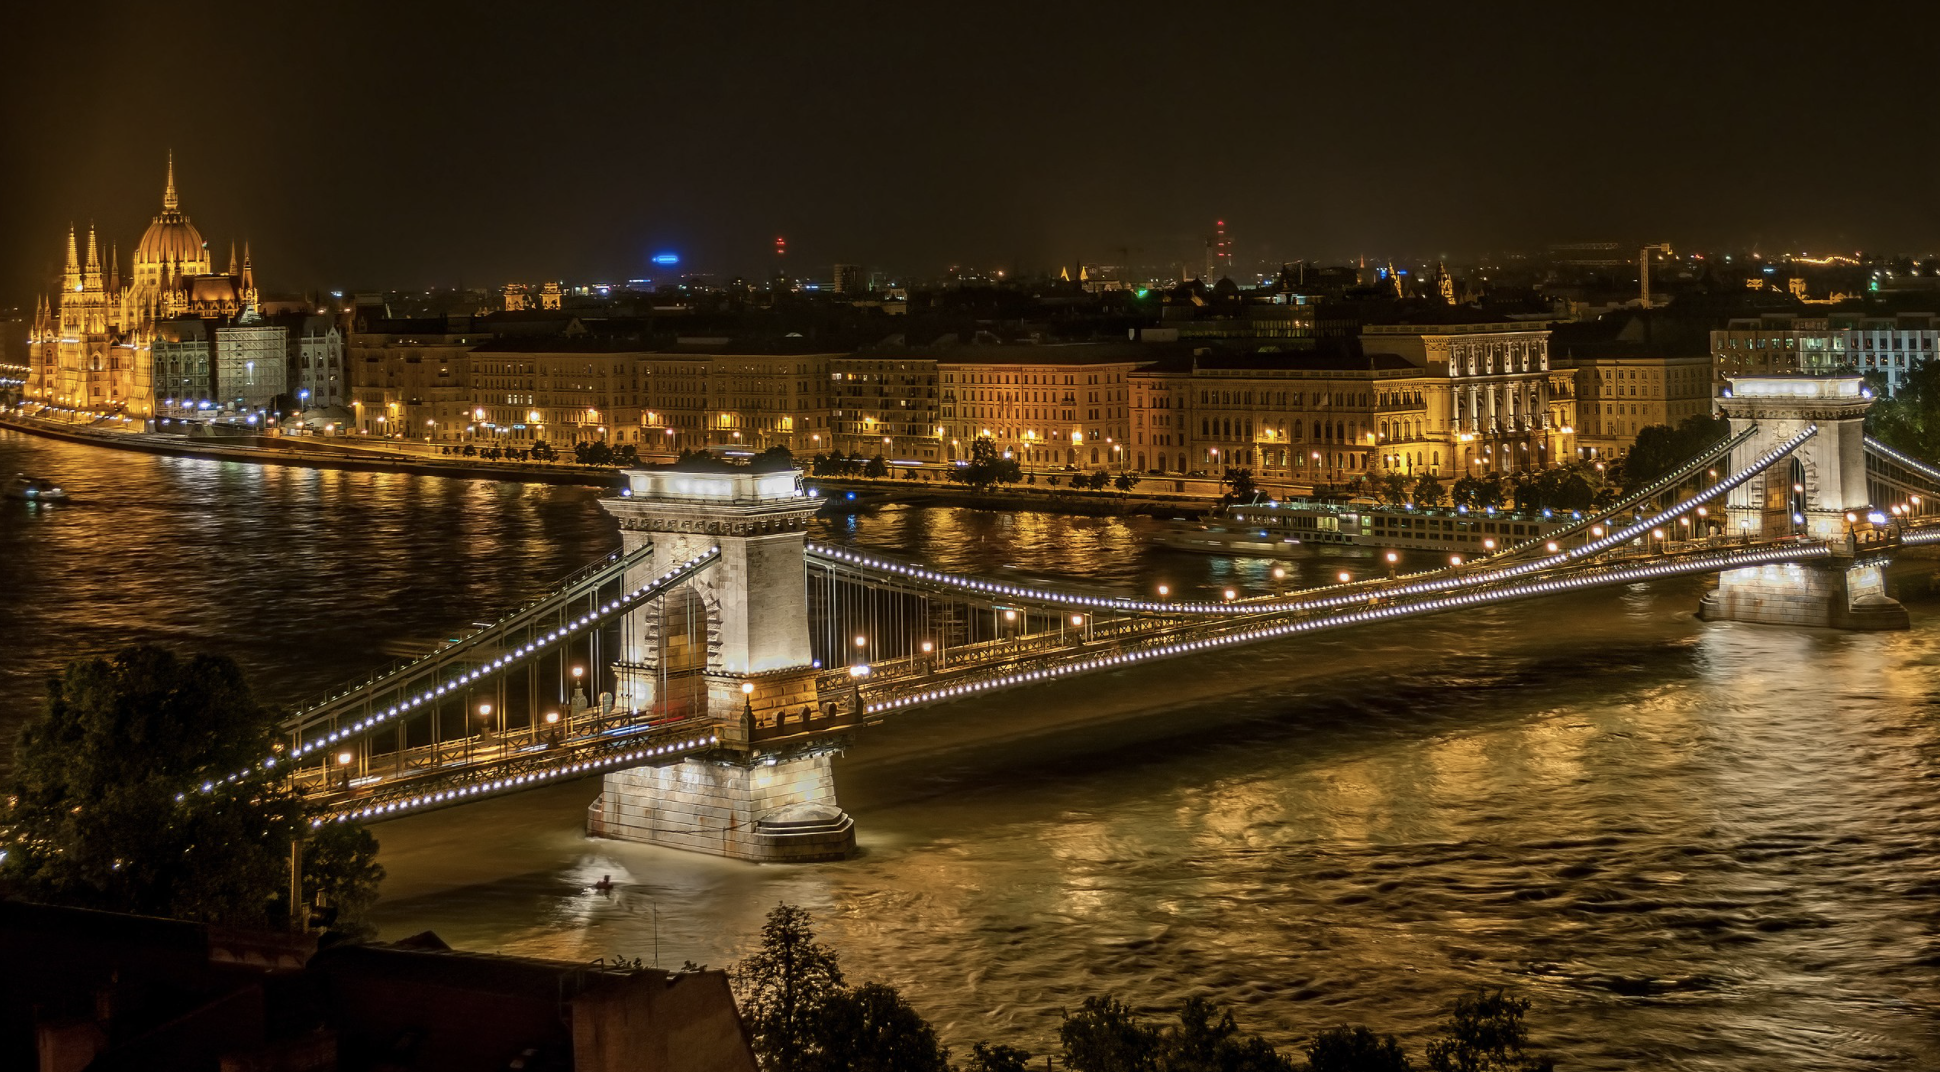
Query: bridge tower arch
(731,646)
(1810,495)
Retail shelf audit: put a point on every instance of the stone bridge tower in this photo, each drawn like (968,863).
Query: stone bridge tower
(1810,494)
(730,645)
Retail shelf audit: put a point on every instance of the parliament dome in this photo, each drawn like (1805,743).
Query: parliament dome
(172,237)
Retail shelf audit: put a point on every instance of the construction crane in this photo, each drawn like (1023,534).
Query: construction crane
(1643,267)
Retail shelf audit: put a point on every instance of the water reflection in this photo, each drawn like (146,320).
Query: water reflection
(1711,847)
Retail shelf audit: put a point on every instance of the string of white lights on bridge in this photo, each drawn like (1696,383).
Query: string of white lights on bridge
(1651,571)
(482,788)
(535,648)
(1331,595)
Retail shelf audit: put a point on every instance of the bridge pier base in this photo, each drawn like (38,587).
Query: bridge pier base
(782,811)
(1830,595)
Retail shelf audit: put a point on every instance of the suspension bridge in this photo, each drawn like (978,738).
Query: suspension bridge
(710,668)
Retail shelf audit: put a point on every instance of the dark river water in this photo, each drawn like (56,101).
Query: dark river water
(1693,846)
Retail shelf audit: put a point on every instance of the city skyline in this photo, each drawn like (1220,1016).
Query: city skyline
(457,153)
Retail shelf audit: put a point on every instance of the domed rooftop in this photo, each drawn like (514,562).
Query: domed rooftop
(171,236)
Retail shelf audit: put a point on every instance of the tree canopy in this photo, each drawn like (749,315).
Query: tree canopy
(108,808)
(987,466)
(1660,448)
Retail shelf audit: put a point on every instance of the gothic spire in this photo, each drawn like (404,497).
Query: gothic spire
(73,257)
(169,201)
(114,268)
(94,255)
(232,256)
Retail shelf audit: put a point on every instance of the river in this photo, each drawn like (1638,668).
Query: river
(1705,847)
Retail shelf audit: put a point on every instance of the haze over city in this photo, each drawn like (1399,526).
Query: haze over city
(372,146)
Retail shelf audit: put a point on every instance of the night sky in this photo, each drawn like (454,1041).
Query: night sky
(474,143)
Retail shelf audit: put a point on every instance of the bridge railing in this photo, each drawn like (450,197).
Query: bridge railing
(513,769)
(1349,592)
(1185,637)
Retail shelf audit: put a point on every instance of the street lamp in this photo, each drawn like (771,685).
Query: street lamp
(344,759)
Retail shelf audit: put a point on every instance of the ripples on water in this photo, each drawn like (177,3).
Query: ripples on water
(1696,847)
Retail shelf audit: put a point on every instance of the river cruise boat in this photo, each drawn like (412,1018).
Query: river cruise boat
(1289,529)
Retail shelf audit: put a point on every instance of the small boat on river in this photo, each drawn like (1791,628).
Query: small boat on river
(35,489)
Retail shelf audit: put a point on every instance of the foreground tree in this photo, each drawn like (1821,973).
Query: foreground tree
(1356,1049)
(783,987)
(108,809)
(1428,490)
(1485,1033)
(803,1019)
(872,1029)
(1104,1036)
(985,1057)
(1207,1040)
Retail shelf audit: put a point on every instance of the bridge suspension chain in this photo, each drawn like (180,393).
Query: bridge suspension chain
(1440,579)
(415,693)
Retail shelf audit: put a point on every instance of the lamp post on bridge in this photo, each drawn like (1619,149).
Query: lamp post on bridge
(484,729)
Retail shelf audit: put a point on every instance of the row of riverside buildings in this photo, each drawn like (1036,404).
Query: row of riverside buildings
(1298,388)
(1445,391)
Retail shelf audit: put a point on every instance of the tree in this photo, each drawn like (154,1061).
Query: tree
(1098,479)
(1485,1033)
(1357,1049)
(1104,1036)
(1126,481)
(1241,481)
(783,987)
(985,1057)
(877,467)
(1428,490)
(1207,1040)
(987,466)
(872,1029)
(1660,448)
(627,454)
(341,873)
(109,811)
(1394,489)
(542,451)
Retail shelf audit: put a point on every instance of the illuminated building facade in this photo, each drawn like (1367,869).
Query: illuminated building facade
(886,404)
(251,363)
(1618,396)
(91,346)
(1890,346)
(1308,418)
(1051,406)
(1489,390)
(415,375)
(760,400)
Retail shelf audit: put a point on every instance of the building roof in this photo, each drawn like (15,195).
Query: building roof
(953,351)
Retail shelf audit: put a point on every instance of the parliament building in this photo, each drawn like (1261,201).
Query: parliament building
(93,346)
